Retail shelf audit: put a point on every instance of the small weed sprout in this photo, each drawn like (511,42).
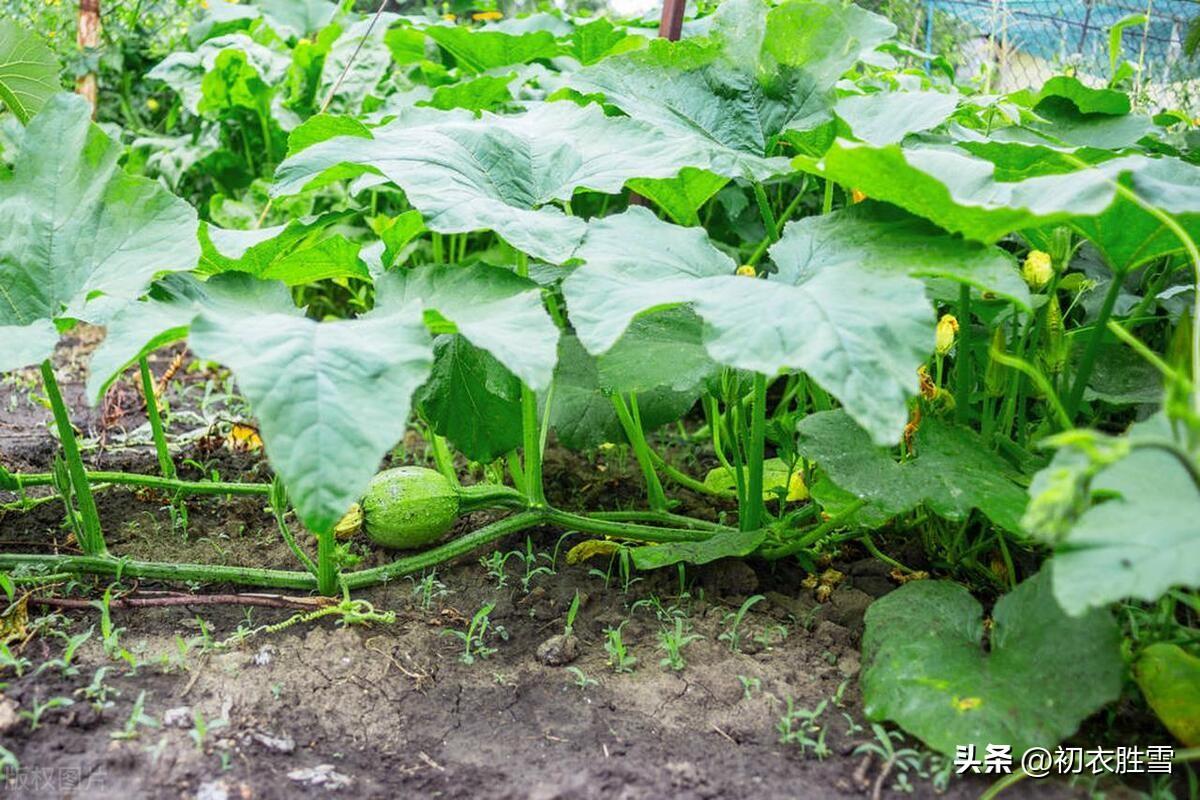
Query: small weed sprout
(474,638)
(201,728)
(34,714)
(63,662)
(619,657)
(799,726)
(97,692)
(672,641)
(496,565)
(581,679)
(572,611)
(9,660)
(904,760)
(428,589)
(749,686)
(137,718)
(733,622)
(529,558)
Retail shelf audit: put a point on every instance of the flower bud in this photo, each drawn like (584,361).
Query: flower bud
(1038,269)
(857,195)
(947,330)
(747,271)
(151,104)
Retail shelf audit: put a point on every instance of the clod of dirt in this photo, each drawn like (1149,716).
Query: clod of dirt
(321,775)
(849,605)
(8,714)
(558,650)
(278,744)
(729,577)
(178,717)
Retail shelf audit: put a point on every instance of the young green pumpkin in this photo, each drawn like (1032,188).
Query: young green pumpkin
(407,507)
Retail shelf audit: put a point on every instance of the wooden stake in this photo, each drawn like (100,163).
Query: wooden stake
(87,36)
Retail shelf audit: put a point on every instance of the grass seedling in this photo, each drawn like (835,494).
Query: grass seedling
(9,660)
(428,589)
(529,558)
(581,679)
(34,714)
(799,726)
(733,622)
(903,760)
(97,692)
(201,728)
(137,718)
(619,657)
(749,686)
(474,638)
(496,566)
(572,611)
(672,641)
(63,662)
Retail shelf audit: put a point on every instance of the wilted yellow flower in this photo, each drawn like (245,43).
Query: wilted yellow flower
(747,271)
(947,330)
(1038,269)
(857,195)
(797,489)
(350,524)
(487,16)
(449,17)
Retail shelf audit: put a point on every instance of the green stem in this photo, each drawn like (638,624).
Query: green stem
(827,198)
(489,495)
(683,479)
(290,541)
(962,369)
(767,241)
(530,433)
(752,515)
(442,457)
(1088,361)
(815,535)
(655,496)
(764,209)
(92,541)
(181,573)
(327,570)
(152,482)
(659,517)
(624,530)
(165,465)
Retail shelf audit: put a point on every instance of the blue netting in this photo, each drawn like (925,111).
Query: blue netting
(1077,30)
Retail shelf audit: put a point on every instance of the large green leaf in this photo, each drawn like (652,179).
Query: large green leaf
(331,398)
(887,117)
(28,71)
(185,71)
(952,473)
(79,237)
(881,236)
(860,330)
(1169,678)
(977,198)
(492,308)
(26,344)
(727,544)
(357,61)
(482,50)
(682,196)
(500,173)
(472,400)
(662,349)
(581,411)
(759,72)
(925,666)
(1138,540)
(300,252)
(165,317)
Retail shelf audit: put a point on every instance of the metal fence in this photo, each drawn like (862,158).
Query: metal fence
(1011,44)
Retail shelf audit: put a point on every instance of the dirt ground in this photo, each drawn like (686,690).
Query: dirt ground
(160,710)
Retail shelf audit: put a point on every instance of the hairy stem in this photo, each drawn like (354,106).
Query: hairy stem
(92,541)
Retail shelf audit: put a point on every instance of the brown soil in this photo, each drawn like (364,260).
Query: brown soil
(390,710)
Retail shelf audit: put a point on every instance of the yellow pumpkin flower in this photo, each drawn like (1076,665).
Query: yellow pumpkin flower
(947,330)
(1038,269)
(487,16)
